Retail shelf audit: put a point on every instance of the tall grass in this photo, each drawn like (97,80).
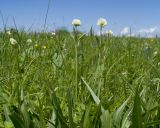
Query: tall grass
(119,89)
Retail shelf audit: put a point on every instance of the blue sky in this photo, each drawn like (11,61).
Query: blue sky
(140,15)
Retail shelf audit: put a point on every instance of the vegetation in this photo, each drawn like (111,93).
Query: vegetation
(74,80)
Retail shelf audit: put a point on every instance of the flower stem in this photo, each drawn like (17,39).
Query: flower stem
(76,65)
(100,35)
(76,60)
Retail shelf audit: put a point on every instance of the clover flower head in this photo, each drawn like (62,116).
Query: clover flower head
(9,32)
(53,33)
(29,41)
(110,32)
(76,22)
(101,22)
(13,41)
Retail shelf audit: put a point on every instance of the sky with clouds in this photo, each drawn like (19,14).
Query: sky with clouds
(123,16)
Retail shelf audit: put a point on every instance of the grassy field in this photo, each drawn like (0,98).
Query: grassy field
(74,80)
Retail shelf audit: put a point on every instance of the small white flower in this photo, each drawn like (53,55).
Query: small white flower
(76,22)
(29,41)
(9,32)
(155,53)
(13,41)
(110,32)
(101,22)
(53,33)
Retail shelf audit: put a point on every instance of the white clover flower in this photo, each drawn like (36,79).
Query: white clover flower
(76,22)
(53,33)
(9,32)
(13,41)
(110,32)
(29,41)
(101,22)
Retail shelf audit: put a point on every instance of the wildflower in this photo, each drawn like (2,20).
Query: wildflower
(9,32)
(53,33)
(110,32)
(13,41)
(44,47)
(29,41)
(76,22)
(101,22)
(36,45)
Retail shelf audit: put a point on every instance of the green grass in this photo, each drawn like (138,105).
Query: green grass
(112,84)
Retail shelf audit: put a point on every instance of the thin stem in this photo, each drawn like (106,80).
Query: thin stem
(76,59)
(45,21)
(100,35)
(100,44)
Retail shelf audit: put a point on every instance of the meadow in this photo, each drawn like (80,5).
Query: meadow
(76,80)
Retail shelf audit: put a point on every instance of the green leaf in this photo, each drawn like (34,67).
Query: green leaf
(58,110)
(86,118)
(53,119)
(126,119)
(136,115)
(6,112)
(69,99)
(106,119)
(8,124)
(26,117)
(117,117)
(95,98)
(17,121)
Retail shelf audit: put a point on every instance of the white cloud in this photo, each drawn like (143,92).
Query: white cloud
(144,32)
(125,31)
(148,32)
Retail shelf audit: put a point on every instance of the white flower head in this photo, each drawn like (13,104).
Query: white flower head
(29,41)
(13,41)
(101,22)
(110,32)
(9,32)
(53,33)
(76,22)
